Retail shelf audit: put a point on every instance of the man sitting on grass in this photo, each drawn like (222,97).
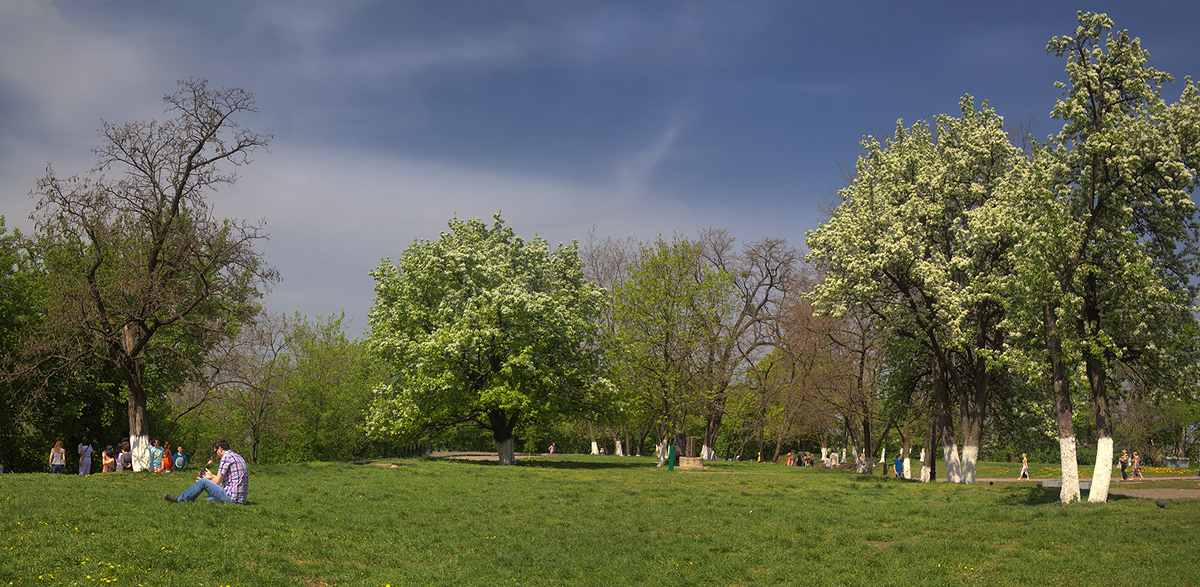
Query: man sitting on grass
(230,484)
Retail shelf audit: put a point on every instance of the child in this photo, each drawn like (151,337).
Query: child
(110,460)
(180,459)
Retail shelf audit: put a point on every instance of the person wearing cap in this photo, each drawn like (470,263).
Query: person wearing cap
(230,484)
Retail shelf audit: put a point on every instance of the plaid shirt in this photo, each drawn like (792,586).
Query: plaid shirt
(237,481)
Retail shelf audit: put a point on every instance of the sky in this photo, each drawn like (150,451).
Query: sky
(626,118)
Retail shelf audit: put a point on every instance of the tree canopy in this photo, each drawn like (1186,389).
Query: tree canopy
(482,328)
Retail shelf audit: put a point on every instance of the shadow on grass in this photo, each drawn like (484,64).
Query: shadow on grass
(1046,495)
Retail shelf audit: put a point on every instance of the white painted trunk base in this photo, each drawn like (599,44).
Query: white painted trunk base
(970,456)
(139,451)
(883,455)
(707,453)
(620,449)
(950,455)
(907,468)
(661,451)
(1070,471)
(1102,475)
(595,448)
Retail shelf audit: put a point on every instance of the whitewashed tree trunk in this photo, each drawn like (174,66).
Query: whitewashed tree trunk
(620,449)
(843,459)
(953,466)
(908,468)
(139,451)
(824,452)
(595,447)
(661,452)
(883,455)
(504,450)
(970,456)
(1102,475)
(707,453)
(1070,470)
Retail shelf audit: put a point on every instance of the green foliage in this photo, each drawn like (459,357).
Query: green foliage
(667,327)
(482,328)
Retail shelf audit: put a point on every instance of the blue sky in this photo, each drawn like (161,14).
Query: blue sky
(635,118)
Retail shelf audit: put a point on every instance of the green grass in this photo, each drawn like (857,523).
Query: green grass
(582,521)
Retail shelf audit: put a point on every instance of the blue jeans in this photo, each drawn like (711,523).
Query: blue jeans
(215,492)
(57,468)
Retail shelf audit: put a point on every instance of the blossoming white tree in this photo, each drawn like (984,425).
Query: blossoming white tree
(482,328)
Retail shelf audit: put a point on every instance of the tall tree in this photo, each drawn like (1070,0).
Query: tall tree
(482,328)
(904,246)
(1107,271)
(667,320)
(765,275)
(144,273)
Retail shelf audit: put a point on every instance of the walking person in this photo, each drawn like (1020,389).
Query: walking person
(58,459)
(1024,467)
(1124,461)
(1137,465)
(85,456)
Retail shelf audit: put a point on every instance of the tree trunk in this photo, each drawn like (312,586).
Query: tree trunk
(1064,412)
(139,429)
(502,431)
(1102,473)
(592,435)
(504,450)
(868,464)
(929,461)
(946,423)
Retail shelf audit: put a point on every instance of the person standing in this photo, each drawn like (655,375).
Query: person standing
(85,456)
(156,452)
(231,484)
(58,460)
(1137,465)
(110,460)
(899,465)
(180,459)
(1024,467)
(1124,461)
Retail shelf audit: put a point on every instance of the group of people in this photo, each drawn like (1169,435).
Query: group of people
(230,484)
(118,458)
(1125,461)
(806,459)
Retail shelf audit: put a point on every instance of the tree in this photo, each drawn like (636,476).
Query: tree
(667,316)
(481,328)
(145,275)
(905,246)
(1106,272)
(328,389)
(765,275)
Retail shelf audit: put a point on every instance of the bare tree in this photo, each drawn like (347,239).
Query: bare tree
(145,276)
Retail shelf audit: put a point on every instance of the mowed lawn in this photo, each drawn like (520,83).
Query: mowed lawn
(581,520)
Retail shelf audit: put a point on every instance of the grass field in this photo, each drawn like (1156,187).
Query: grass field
(578,520)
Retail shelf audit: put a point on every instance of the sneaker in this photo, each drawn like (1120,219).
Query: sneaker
(170,498)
